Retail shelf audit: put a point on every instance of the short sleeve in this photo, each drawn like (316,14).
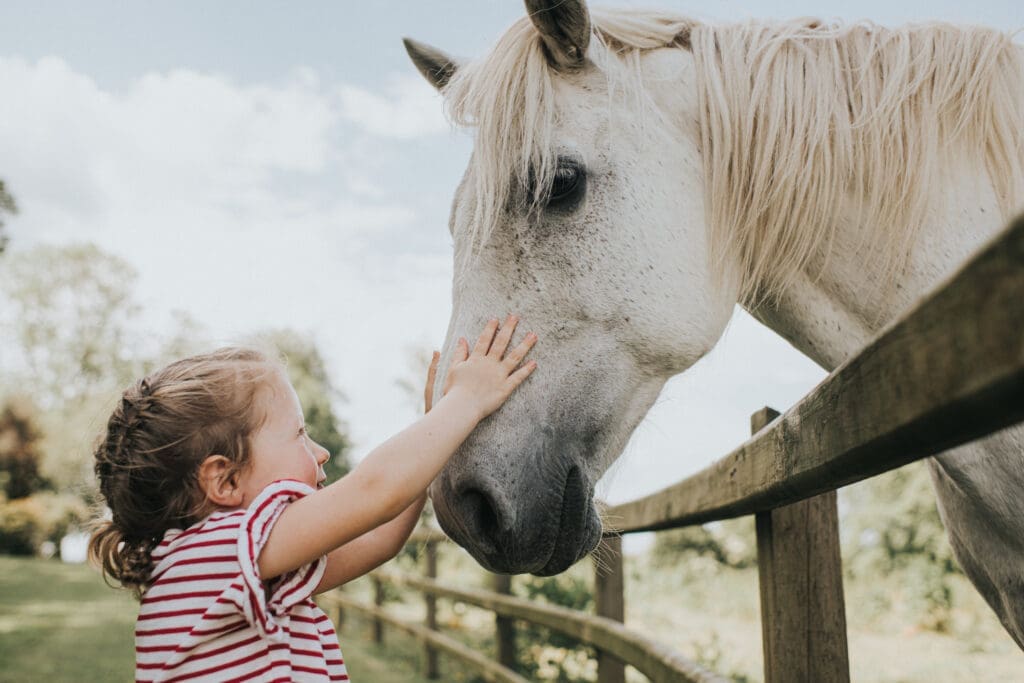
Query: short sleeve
(266,605)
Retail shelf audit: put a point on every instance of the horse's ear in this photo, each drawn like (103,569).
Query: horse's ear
(436,66)
(564,26)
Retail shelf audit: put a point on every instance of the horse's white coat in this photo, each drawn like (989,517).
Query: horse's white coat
(622,294)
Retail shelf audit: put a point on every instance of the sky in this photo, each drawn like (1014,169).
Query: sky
(270,164)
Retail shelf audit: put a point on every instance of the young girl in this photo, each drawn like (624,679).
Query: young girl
(218,525)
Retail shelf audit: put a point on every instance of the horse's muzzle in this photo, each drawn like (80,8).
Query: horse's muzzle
(543,527)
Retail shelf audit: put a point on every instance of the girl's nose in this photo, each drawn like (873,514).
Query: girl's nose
(322,454)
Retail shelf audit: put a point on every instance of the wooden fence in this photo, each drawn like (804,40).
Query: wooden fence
(946,373)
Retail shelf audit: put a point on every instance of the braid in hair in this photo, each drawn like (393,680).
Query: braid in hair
(159,433)
(120,545)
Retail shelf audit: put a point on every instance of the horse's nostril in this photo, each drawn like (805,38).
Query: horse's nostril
(481,517)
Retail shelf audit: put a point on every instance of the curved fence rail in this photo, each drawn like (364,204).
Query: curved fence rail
(652,659)
(948,372)
(488,669)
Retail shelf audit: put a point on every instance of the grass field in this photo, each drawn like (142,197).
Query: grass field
(60,623)
(715,619)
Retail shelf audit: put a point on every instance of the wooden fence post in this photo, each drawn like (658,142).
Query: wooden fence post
(505,629)
(609,598)
(378,600)
(803,615)
(429,653)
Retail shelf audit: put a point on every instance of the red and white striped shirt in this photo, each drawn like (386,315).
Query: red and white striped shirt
(208,615)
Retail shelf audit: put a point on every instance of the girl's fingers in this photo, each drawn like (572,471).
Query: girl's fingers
(486,337)
(428,391)
(461,350)
(520,375)
(504,337)
(516,355)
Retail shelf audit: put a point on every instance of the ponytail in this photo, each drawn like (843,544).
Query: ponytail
(128,563)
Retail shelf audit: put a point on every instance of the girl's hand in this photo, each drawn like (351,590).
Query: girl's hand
(487,376)
(396,474)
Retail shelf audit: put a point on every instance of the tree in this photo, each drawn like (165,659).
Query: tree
(730,543)
(894,532)
(71,341)
(8,206)
(72,315)
(896,519)
(307,372)
(19,451)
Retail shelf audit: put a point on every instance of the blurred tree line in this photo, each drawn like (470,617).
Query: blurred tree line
(7,206)
(73,336)
(893,544)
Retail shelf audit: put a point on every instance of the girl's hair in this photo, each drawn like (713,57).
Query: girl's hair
(162,429)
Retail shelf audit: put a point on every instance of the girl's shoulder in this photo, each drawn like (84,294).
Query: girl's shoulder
(222,526)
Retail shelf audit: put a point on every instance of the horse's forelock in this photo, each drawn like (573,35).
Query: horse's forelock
(507,96)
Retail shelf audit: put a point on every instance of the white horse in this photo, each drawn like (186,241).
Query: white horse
(636,175)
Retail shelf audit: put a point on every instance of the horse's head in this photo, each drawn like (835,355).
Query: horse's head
(582,210)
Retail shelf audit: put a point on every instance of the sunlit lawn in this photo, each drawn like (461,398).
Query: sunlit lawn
(59,622)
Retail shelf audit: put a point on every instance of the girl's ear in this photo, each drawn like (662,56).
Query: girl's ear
(219,481)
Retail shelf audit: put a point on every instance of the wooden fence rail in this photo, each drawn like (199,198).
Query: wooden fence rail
(651,658)
(948,372)
(490,670)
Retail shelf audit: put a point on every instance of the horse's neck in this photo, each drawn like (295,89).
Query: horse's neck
(829,314)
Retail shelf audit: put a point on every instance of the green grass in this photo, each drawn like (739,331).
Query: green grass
(60,622)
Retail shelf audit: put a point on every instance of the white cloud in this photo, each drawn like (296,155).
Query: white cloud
(185,134)
(409,108)
(233,202)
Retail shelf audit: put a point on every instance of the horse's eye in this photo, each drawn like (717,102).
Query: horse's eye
(566,183)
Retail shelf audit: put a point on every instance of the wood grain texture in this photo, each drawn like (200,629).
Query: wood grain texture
(504,628)
(430,666)
(610,602)
(800,571)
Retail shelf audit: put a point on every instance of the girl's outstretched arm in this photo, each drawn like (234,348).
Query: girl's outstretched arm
(396,473)
(376,547)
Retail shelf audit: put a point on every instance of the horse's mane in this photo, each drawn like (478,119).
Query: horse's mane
(865,111)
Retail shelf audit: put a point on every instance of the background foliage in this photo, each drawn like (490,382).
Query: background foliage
(73,335)
(7,206)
